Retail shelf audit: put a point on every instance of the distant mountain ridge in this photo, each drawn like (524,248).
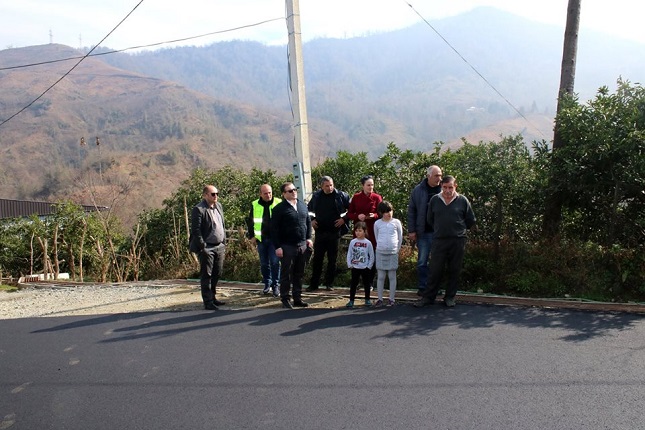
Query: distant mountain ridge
(161,114)
(409,76)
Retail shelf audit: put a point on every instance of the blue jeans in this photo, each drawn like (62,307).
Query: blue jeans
(424,243)
(269,263)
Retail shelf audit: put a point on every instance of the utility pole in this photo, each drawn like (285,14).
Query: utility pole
(297,82)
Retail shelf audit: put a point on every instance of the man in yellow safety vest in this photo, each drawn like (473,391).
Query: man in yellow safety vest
(259,231)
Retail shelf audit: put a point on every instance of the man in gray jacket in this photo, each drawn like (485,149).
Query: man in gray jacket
(450,215)
(207,237)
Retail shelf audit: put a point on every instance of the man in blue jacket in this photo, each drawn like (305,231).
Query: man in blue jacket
(419,231)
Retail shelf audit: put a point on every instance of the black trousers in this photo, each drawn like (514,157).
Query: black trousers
(357,275)
(292,270)
(445,252)
(211,263)
(325,243)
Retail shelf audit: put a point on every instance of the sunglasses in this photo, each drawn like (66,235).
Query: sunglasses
(214,194)
(293,190)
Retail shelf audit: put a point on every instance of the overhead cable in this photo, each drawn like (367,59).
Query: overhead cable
(474,69)
(141,46)
(70,70)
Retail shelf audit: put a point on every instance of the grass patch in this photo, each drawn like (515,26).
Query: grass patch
(8,288)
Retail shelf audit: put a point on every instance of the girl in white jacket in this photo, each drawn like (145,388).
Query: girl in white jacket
(389,238)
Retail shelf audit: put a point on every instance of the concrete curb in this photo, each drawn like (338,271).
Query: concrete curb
(405,296)
(485,299)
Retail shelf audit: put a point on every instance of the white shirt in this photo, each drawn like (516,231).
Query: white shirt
(389,236)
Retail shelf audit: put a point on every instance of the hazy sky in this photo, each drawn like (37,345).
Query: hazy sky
(85,22)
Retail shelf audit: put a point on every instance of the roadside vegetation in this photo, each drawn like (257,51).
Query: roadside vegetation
(598,252)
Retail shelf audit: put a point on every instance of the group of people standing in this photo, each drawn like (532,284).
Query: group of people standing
(282,229)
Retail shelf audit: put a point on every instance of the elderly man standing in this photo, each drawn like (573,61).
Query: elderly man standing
(329,207)
(450,215)
(418,229)
(259,231)
(207,238)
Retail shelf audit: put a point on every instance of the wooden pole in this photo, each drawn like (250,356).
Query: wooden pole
(296,70)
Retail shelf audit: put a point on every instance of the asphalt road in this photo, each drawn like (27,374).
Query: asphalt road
(471,367)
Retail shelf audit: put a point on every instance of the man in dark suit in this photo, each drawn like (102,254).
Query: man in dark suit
(207,238)
(291,235)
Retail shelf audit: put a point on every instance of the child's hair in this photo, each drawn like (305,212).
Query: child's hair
(384,207)
(361,225)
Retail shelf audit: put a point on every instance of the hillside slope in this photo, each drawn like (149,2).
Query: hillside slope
(161,114)
(152,133)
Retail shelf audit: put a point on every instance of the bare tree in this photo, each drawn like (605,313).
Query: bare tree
(80,249)
(114,191)
(56,266)
(193,257)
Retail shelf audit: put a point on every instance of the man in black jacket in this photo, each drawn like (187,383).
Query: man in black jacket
(329,206)
(291,235)
(207,238)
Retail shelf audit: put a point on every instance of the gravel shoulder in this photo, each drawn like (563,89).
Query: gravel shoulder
(52,299)
(63,299)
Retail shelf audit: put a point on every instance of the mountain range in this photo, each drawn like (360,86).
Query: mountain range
(160,114)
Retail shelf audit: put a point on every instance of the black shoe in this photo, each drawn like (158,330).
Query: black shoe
(286,304)
(422,303)
(329,288)
(300,304)
(311,289)
(218,303)
(210,307)
(420,292)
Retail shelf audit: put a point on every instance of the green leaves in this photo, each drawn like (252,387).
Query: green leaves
(601,167)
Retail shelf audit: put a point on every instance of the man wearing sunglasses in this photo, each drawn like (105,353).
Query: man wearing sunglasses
(207,238)
(291,235)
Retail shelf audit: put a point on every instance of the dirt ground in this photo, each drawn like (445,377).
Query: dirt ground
(68,298)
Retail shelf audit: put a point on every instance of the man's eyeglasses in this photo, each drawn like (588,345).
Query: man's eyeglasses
(293,190)
(214,194)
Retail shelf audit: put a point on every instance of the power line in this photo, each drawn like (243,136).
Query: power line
(475,69)
(143,46)
(70,70)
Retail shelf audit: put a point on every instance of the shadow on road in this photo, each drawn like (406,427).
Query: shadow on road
(400,322)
